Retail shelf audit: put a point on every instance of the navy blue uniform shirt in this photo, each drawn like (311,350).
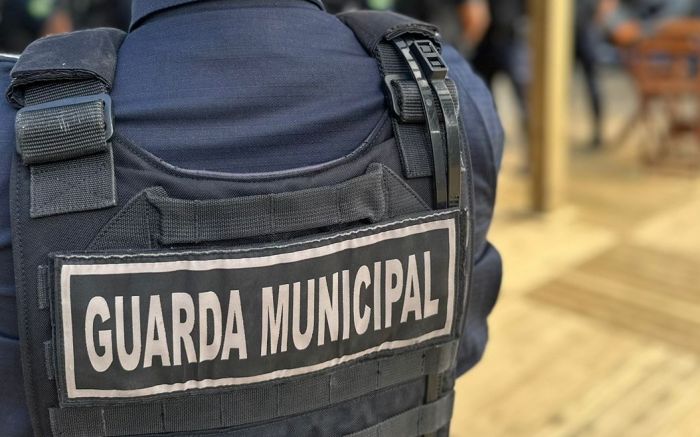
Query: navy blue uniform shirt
(250,86)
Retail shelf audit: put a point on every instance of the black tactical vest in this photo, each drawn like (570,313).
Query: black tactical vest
(326,300)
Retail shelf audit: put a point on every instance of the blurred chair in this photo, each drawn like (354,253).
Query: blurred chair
(665,68)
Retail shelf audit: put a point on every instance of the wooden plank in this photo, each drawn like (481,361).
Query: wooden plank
(581,415)
(641,411)
(518,394)
(653,294)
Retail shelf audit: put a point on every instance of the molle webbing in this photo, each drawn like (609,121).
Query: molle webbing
(64,127)
(253,404)
(422,420)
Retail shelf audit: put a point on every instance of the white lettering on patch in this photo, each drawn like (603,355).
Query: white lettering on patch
(348,298)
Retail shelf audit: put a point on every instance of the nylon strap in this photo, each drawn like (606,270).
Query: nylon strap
(375,30)
(372,197)
(428,418)
(58,130)
(424,102)
(410,102)
(411,137)
(64,127)
(65,143)
(253,404)
(433,122)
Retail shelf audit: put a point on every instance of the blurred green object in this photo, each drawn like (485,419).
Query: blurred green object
(380,5)
(40,9)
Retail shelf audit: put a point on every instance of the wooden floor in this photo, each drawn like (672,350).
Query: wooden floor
(597,330)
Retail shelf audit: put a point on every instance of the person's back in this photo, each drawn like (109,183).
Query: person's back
(255,87)
(503,48)
(443,14)
(244,89)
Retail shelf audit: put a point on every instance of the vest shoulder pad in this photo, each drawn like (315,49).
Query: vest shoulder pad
(84,54)
(371,27)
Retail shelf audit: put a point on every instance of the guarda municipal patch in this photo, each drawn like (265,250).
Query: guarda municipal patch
(133,325)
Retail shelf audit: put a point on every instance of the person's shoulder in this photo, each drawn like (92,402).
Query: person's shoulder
(482,123)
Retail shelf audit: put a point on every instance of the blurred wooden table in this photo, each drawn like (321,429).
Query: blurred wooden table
(597,330)
(665,68)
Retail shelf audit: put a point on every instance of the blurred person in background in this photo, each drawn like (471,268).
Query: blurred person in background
(587,38)
(337,6)
(503,47)
(22,21)
(461,22)
(85,14)
(627,21)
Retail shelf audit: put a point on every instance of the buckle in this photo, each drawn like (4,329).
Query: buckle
(430,59)
(72,101)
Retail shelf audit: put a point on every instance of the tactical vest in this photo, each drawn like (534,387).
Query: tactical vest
(325,300)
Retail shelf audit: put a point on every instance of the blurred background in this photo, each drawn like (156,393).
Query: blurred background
(597,330)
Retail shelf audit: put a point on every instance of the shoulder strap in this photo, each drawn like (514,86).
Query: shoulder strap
(423,101)
(61,83)
(425,117)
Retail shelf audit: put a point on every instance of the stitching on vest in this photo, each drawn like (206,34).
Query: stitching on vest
(114,221)
(385,195)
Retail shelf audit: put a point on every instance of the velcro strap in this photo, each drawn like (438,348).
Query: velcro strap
(63,135)
(63,129)
(255,404)
(418,421)
(410,103)
(65,124)
(80,184)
